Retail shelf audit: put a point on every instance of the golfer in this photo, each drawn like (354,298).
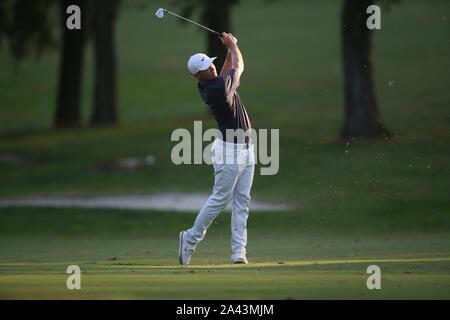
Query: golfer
(232,155)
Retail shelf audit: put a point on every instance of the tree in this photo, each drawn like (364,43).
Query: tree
(105,108)
(68,113)
(28,27)
(362,115)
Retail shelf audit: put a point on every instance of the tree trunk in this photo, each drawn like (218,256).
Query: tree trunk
(68,112)
(105,109)
(362,116)
(216,15)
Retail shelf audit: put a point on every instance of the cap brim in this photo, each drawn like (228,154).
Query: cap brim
(207,64)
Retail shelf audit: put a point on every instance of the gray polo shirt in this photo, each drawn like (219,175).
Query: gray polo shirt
(222,98)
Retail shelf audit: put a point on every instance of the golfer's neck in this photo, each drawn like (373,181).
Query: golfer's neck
(207,80)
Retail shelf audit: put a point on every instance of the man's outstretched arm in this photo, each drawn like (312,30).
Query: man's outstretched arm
(227,64)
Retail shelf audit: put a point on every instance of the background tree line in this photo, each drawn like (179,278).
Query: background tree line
(26,27)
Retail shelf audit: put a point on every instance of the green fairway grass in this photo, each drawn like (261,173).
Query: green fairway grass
(133,255)
(383,202)
(336,279)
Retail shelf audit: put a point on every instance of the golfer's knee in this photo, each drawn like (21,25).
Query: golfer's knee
(242,199)
(220,199)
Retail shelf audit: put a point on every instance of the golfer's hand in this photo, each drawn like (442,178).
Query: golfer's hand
(228,40)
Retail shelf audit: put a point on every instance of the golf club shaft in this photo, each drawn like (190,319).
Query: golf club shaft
(197,24)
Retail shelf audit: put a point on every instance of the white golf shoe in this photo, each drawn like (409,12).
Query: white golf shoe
(239,258)
(185,250)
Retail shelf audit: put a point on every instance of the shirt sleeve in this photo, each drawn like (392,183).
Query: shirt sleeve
(231,82)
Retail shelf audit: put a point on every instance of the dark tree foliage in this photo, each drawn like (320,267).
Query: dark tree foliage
(26,26)
(30,27)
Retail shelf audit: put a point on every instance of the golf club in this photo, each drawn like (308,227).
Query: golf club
(160,14)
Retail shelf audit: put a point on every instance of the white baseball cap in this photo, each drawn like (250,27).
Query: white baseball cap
(199,62)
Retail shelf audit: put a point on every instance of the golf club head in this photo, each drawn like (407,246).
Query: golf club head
(160,13)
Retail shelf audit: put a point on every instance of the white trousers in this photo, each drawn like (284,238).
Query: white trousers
(234,167)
